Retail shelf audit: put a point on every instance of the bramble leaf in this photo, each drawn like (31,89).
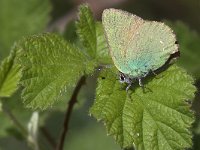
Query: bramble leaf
(92,36)
(10,74)
(86,30)
(19,18)
(156,118)
(189,42)
(102,51)
(50,67)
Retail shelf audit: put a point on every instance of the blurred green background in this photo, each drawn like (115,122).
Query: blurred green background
(20,18)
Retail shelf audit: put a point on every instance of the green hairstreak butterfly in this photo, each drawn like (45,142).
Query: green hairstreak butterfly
(137,46)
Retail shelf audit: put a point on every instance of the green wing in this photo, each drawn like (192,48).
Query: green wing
(137,46)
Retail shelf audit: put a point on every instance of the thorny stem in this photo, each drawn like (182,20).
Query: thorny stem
(70,106)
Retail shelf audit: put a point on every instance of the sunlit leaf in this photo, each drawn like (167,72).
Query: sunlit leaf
(50,67)
(92,36)
(157,117)
(86,30)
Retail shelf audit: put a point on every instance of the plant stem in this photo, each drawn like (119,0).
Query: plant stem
(48,137)
(14,120)
(70,106)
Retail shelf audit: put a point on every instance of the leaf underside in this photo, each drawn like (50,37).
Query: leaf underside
(157,117)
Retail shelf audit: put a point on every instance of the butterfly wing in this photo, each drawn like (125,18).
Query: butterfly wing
(137,46)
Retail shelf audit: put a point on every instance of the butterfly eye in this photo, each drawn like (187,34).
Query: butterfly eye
(122,78)
(103,78)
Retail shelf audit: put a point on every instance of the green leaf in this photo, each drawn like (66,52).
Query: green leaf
(157,118)
(102,51)
(86,30)
(19,18)
(10,74)
(189,42)
(92,36)
(50,67)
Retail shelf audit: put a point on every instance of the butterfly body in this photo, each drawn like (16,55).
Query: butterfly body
(137,46)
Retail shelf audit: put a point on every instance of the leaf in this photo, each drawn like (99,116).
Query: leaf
(189,42)
(10,74)
(92,36)
(50,67)
(86,30)
(102,52)
(19,18)
(158,118)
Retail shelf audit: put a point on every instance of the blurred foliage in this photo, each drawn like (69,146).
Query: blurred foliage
(10,143)
(60,8)
(189,42)
(15,105)
(70,32)
(21,17)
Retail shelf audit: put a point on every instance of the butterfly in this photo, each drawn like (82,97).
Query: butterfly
(137,46)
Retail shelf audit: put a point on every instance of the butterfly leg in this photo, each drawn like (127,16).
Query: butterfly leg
(153,72)
(142,85)
(128,87)
(140,82)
